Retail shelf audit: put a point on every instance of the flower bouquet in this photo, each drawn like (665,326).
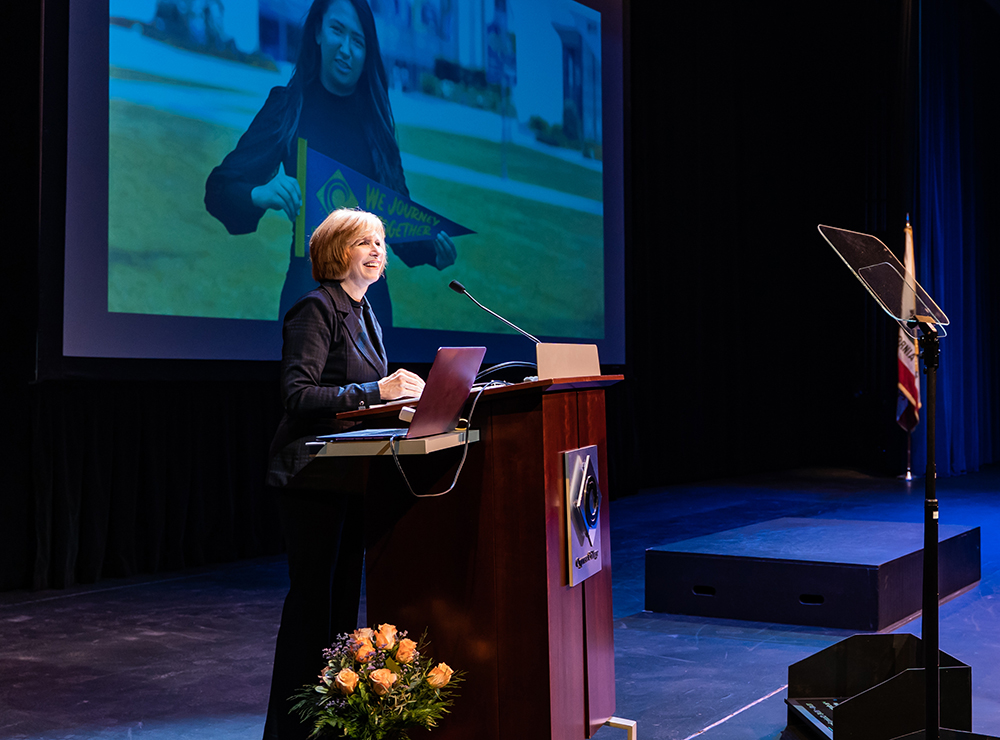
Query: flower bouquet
(376,685)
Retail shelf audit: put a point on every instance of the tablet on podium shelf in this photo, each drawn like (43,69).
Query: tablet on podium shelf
(445,393)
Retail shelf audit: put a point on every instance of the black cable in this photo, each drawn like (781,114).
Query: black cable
(503,366)
(394,447)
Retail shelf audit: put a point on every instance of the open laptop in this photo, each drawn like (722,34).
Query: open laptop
(445,393)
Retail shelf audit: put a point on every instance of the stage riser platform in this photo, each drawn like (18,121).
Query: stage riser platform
(842,574)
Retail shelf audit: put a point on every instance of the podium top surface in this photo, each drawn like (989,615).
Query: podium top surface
(382,447)
(545,385)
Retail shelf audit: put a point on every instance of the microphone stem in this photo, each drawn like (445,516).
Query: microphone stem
(512,326)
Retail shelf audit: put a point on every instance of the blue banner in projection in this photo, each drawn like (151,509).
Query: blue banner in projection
(327,185)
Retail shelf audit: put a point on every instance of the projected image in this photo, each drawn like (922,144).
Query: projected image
(472,128)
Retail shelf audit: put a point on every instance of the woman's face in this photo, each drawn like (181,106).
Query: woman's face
(341,42)
(367,259)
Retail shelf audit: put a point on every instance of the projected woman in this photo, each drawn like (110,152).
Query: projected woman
(337,99)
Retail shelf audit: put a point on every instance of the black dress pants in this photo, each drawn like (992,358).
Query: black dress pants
(324,534)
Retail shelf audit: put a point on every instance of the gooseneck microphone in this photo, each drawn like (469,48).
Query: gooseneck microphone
(459,288)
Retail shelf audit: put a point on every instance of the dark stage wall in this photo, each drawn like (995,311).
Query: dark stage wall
(750,346)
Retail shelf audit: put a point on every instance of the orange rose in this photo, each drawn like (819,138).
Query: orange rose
(347,680)
(407,650)
(386,636)
(364,653)
(363,635)
(440,675)
(382,680)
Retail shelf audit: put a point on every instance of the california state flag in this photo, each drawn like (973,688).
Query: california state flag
(908,404)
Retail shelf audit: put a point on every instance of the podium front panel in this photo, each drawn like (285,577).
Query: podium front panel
(483,569)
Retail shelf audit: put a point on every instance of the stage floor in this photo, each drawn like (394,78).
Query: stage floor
(188,654)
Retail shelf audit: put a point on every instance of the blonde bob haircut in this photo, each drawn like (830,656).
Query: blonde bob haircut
(331,242)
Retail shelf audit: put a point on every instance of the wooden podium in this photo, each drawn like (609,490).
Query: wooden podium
(484,568)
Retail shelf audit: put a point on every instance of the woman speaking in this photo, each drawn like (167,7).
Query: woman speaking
(332,360)
(337,99)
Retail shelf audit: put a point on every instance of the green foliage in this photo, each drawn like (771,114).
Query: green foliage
(487,97)
(566,138)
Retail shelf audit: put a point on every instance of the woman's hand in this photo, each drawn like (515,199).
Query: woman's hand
(444,251)
(282,193)
(401,384)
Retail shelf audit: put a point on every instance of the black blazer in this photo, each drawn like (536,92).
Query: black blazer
(329,364)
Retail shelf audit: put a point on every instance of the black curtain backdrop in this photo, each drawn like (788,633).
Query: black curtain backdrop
(959,189)
(750,346)
(18,299)
(145,477)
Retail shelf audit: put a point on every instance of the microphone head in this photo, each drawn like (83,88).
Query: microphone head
(456,286)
